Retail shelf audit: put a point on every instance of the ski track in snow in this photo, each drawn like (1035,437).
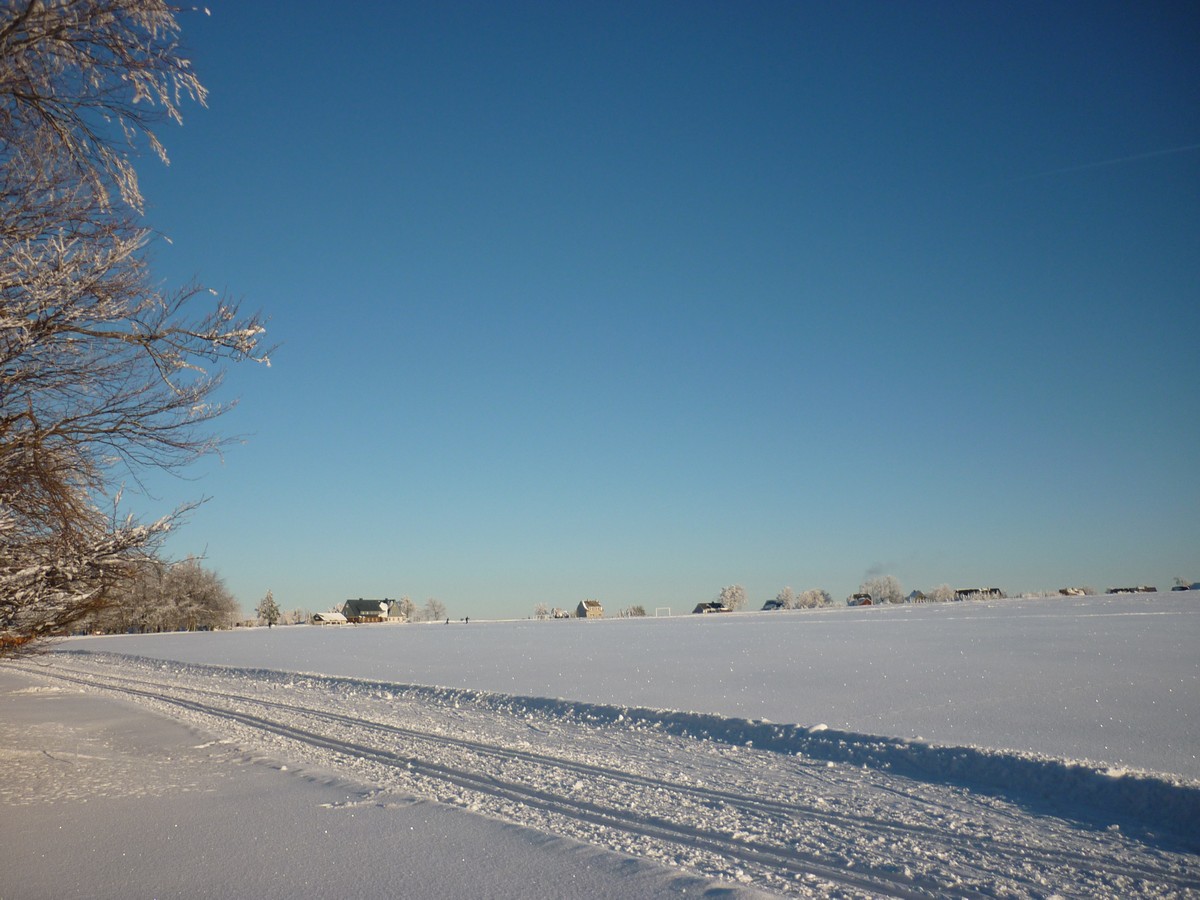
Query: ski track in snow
(791,810)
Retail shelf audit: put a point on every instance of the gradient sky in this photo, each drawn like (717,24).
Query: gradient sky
(636,300)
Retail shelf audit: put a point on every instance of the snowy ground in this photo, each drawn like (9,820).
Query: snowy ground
(1057,756)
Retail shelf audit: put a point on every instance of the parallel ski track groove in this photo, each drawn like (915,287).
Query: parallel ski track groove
(705,794)
(791,861)
(558,804)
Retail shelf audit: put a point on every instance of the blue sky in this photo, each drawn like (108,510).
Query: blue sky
(636,300)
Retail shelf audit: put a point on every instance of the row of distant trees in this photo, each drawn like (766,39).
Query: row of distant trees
(433,610)
(887,589)
(734,597)
(883,589)
(162,596)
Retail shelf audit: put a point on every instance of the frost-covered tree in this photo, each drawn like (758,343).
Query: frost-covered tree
(813,598)
(434,610)
(786,598)
(159,596)
(200,595)
(103,374)
(943,593)
(541,611)
(733,596)
(883,589)
(408,609)
(298,616)
(268,610)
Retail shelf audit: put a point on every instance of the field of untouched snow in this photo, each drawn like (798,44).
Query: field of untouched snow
(1013,748)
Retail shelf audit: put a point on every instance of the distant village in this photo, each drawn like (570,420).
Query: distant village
(886,591)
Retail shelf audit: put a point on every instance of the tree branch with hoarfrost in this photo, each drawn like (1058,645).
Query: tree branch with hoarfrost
(103,375)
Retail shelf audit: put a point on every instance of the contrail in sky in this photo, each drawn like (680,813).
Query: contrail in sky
(1111,162)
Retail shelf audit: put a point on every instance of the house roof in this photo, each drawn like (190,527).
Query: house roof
(362,607)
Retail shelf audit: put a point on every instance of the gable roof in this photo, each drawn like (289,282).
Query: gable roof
(361,607)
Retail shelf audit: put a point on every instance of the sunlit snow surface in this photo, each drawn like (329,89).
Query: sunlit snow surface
(1111,679)
(1013,748)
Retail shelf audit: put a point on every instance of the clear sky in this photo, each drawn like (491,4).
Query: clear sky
(634,300)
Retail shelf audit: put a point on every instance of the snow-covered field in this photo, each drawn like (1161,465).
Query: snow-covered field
(1008,748)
